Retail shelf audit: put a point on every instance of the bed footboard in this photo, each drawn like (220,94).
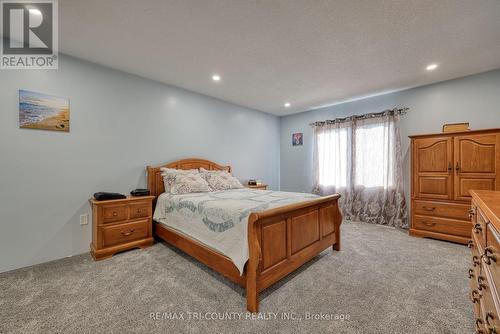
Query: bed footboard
(281,240)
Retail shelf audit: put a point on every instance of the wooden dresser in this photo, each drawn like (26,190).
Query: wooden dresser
(445,167)
(484,273)
(120,225)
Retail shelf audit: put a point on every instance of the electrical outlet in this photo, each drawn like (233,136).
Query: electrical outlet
(84,219)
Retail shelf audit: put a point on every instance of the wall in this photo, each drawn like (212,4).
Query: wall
(119,124)
(474,99)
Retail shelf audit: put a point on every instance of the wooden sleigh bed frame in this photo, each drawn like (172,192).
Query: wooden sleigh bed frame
(280,240)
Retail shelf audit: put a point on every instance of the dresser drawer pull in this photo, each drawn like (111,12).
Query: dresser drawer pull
(470,243)
(488,256)
(471,273)
(477,228)
(476,261)
(489,316)
(480,285)
(478,329)
(426,223)
(426,208)
(115,213)
(491,329)
(473,296)
(472,212)
(126,234)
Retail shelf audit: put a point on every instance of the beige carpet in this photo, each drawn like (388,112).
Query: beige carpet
(383,281)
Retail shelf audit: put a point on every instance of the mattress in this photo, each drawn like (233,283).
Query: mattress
(219,219)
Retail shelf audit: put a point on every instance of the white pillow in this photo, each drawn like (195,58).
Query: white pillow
(220,179)
(185,183)
(169,175)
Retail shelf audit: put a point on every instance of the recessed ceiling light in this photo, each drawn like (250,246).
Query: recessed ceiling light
(287,105)
(431,67)
(216,77)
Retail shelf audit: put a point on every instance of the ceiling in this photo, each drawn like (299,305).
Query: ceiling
(310,53)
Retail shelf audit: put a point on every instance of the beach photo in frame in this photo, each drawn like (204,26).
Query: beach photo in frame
(43,112)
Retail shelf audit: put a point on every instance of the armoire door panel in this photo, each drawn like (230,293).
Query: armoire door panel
(477,164)
(433,187)
(432,155)
(476,157)
(467,184)
(433,177)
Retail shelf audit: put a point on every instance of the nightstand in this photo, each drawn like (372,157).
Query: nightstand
(260,186)
(119,225)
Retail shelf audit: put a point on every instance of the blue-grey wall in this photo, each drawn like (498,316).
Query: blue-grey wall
(474,99)
(119,124)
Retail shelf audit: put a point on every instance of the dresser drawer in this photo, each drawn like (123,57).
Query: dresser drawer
(441,209)
(442,225)
(475,259)
(114,213)
(474,294)
(476,305)
(119,234)
(489,312)
(491,256)
(479,228)
(140,210)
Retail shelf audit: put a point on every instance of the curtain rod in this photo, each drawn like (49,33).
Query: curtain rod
(400,111)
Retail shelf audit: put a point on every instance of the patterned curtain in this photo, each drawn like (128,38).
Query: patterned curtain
(360,158)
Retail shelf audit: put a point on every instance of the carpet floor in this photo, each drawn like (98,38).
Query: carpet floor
(383,281)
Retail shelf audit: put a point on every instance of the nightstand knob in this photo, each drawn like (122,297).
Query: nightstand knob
(115,214)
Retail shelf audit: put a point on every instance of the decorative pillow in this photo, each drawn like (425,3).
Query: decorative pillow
(188,183)
(220,179)
(170,174)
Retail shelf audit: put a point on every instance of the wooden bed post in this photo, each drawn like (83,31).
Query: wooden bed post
(253,265)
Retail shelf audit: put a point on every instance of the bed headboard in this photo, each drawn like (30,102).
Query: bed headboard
(155,180)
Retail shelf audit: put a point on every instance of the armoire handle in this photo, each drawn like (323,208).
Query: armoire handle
(457,168)
(450,167)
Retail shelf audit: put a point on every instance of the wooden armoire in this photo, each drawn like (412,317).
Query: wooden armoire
(445,167)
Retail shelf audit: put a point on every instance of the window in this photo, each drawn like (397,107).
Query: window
(332,153)
(374,157)
(360,158)
(366,161)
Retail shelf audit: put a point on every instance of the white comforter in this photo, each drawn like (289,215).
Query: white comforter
(219,219)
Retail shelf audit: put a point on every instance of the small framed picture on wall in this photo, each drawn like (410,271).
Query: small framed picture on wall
(43,112)
(297,139)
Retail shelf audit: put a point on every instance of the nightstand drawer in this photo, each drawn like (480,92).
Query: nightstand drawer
(140,210)
(114,213)
(119,234)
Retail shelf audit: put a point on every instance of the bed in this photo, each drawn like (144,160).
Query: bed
(282,230)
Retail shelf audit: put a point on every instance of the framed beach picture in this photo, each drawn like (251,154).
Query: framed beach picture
(297,139)
(43,112)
